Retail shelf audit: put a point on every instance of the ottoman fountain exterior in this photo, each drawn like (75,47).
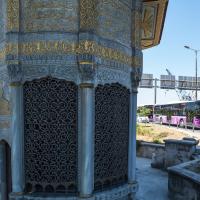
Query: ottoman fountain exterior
(69,72)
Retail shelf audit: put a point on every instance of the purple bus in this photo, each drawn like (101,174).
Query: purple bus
(183,113)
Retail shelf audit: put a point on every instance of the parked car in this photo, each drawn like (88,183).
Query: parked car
(142,119)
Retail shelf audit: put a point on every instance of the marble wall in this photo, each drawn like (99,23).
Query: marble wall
(89,43)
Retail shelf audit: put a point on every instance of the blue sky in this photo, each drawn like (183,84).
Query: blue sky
(182,27)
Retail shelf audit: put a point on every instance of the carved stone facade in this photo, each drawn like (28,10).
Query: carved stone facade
(62,60)
(56,15)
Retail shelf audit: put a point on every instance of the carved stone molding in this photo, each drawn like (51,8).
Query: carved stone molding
(65,71)
(110,75)
(118,193)
(114,194)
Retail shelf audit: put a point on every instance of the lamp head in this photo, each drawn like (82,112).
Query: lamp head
(187,47)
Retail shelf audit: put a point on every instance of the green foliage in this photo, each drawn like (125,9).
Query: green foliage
(157,141)
(144,131)
(143,111)
(163,134)
(155,135)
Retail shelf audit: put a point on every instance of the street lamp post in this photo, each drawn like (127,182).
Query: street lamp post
(196,76)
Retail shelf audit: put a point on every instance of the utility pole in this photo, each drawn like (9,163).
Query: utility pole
(155,91)
(196,75)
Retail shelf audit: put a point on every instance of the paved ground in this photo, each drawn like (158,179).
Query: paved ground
(153,183)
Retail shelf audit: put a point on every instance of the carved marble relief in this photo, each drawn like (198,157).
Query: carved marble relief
(50,15)
(2,54)
(114,21)
(2,20)
(153,18)
(136,32)
(13,15)
(4,103)
(148,22)
(88,14)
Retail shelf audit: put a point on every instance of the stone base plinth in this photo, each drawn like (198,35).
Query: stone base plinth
(125,192)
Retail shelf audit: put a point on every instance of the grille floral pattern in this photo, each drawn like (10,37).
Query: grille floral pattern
(50,126)
(111,135)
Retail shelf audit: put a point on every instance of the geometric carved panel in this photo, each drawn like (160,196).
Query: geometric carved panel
(111,135)
(149,19)
(50,15)
(50,136)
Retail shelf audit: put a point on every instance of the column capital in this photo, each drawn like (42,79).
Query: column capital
(87,72)
(14,73)
(136,75)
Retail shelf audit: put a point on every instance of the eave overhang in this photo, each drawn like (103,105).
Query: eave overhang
(153,19)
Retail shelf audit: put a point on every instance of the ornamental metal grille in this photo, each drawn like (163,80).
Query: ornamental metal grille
(111,135)
(50,117)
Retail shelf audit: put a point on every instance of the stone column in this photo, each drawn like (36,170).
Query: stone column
(132,138)
(3,183)
(135,77)
(136,74)
(17,125)
(86,130)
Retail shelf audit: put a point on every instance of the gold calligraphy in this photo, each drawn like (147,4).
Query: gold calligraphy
(60,47)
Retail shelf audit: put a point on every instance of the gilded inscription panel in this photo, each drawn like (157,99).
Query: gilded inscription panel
(2,54)
(84,47)
(50,15)
(13,15)
(114,21)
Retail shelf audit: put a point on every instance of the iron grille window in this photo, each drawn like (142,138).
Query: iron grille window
(111,135)
(50,128)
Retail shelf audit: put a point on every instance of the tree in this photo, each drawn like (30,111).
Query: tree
(143,111)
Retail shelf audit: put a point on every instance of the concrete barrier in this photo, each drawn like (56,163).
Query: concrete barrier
(148,149)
